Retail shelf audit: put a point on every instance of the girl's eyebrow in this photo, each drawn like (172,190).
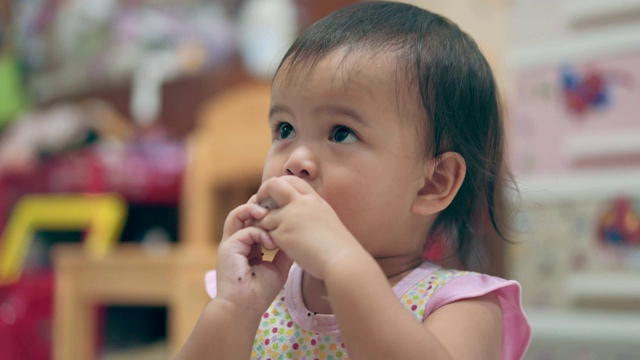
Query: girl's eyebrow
(327,109)
(279,109)
(339,110)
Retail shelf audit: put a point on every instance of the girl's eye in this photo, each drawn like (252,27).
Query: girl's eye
(342,134)
(284,131)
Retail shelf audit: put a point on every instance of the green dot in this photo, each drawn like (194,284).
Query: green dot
(339,354)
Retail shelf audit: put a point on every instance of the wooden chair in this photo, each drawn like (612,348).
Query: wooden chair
(226,155)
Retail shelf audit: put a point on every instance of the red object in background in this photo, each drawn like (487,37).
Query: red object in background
(584,92)
(144,174)
(26,317)
(149,173)
(11,189)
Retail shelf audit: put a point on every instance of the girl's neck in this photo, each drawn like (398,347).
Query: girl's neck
(314,292)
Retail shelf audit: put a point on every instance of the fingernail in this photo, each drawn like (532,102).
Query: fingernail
(258,212)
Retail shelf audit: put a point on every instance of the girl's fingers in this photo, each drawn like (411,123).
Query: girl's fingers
(240,217)
(276,192)
(283,189)
(247,242)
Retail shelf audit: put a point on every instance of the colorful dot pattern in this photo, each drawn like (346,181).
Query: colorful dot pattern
(280,338)
(417,297)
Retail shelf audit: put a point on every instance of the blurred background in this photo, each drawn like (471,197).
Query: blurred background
(128,128)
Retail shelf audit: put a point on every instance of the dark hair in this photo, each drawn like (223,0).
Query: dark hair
(458,91)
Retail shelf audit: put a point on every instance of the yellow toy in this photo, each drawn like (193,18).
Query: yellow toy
(102,214)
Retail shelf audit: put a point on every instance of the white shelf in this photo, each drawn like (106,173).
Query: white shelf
(584,10)
(572,47)
(599,146)
(595,185)
(585,326)
(610,286)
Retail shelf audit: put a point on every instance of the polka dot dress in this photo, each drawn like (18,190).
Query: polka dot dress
(279,337)
(289,331)
(417,297)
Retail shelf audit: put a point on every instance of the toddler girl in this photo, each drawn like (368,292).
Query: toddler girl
(387,135)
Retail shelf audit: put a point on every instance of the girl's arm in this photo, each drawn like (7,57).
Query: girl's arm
(224,331)
(374,325)
(245,287)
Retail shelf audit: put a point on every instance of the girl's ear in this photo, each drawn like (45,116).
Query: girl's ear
(443,177)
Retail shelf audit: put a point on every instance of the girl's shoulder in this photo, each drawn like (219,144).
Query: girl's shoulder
(432,289)
(417,290)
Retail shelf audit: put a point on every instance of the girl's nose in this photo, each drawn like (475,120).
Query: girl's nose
(301,163)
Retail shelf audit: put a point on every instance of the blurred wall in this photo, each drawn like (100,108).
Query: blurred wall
(487,21)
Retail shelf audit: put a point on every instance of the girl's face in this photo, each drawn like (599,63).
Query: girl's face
(349,128)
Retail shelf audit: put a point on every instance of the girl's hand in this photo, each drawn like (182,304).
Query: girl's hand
(243,277)
(304,225)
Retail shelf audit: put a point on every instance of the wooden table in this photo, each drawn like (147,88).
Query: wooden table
(129,275)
